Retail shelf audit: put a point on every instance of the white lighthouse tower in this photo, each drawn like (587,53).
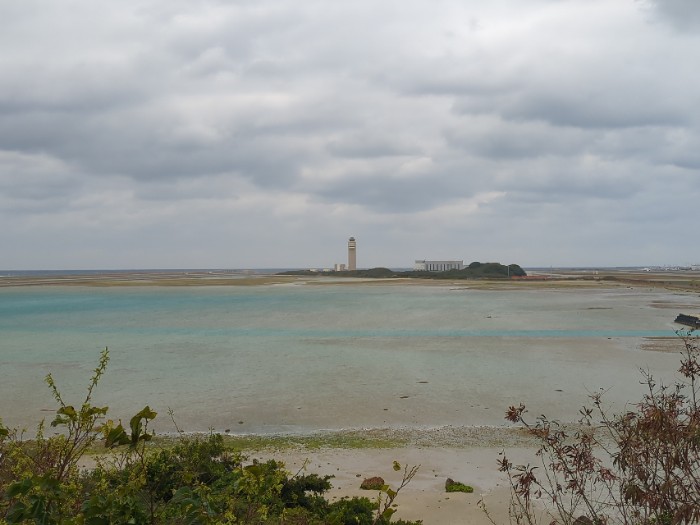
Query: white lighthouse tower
(352,254)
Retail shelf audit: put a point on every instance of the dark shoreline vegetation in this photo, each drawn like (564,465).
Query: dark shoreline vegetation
(475,270)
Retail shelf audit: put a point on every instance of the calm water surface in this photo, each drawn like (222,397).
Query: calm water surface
(307,357)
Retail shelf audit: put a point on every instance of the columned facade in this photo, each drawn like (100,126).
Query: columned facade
(438,266)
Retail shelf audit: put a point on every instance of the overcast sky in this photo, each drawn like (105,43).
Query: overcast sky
(264,133)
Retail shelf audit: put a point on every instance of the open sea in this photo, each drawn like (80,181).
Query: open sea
(305,357)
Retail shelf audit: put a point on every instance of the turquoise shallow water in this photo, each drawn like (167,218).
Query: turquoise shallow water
(305,357)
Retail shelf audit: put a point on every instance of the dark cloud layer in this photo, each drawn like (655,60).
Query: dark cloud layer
(681,14)
(224,134)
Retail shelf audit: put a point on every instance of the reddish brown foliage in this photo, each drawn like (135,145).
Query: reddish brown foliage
(639,467)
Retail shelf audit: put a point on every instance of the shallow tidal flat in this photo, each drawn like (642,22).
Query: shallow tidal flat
(290,355)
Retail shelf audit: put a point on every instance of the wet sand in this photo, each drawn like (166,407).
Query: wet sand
(402,354)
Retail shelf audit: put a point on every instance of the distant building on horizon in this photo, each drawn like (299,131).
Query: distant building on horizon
(352,254)
(437,266)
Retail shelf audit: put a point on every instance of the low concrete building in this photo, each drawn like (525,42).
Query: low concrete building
(437,266)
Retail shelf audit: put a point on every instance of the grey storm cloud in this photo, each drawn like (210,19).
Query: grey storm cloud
(150,131)
(682,14)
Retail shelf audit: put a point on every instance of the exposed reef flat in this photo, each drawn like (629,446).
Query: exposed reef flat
(686,281)
(452,437)
(145,279)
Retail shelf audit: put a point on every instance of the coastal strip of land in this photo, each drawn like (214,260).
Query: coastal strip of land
(682,281)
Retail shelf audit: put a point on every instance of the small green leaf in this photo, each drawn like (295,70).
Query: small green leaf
(97,520)
(116,436)
(254,470)
(67,410)
(136,425)
(146,413)
(17,513)
(59,420)
(90,411)
(48,483)
(37,509)
(19,488)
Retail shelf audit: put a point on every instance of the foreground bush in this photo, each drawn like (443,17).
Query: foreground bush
(196,481)
(638,467)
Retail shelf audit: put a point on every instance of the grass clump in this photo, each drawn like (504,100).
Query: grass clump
(457,486)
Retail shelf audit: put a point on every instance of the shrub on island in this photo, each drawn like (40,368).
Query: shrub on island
(475,270)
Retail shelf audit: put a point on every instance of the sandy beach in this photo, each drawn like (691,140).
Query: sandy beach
(465,454)
(425,497)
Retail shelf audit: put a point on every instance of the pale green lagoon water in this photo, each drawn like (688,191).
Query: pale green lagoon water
(300,358)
